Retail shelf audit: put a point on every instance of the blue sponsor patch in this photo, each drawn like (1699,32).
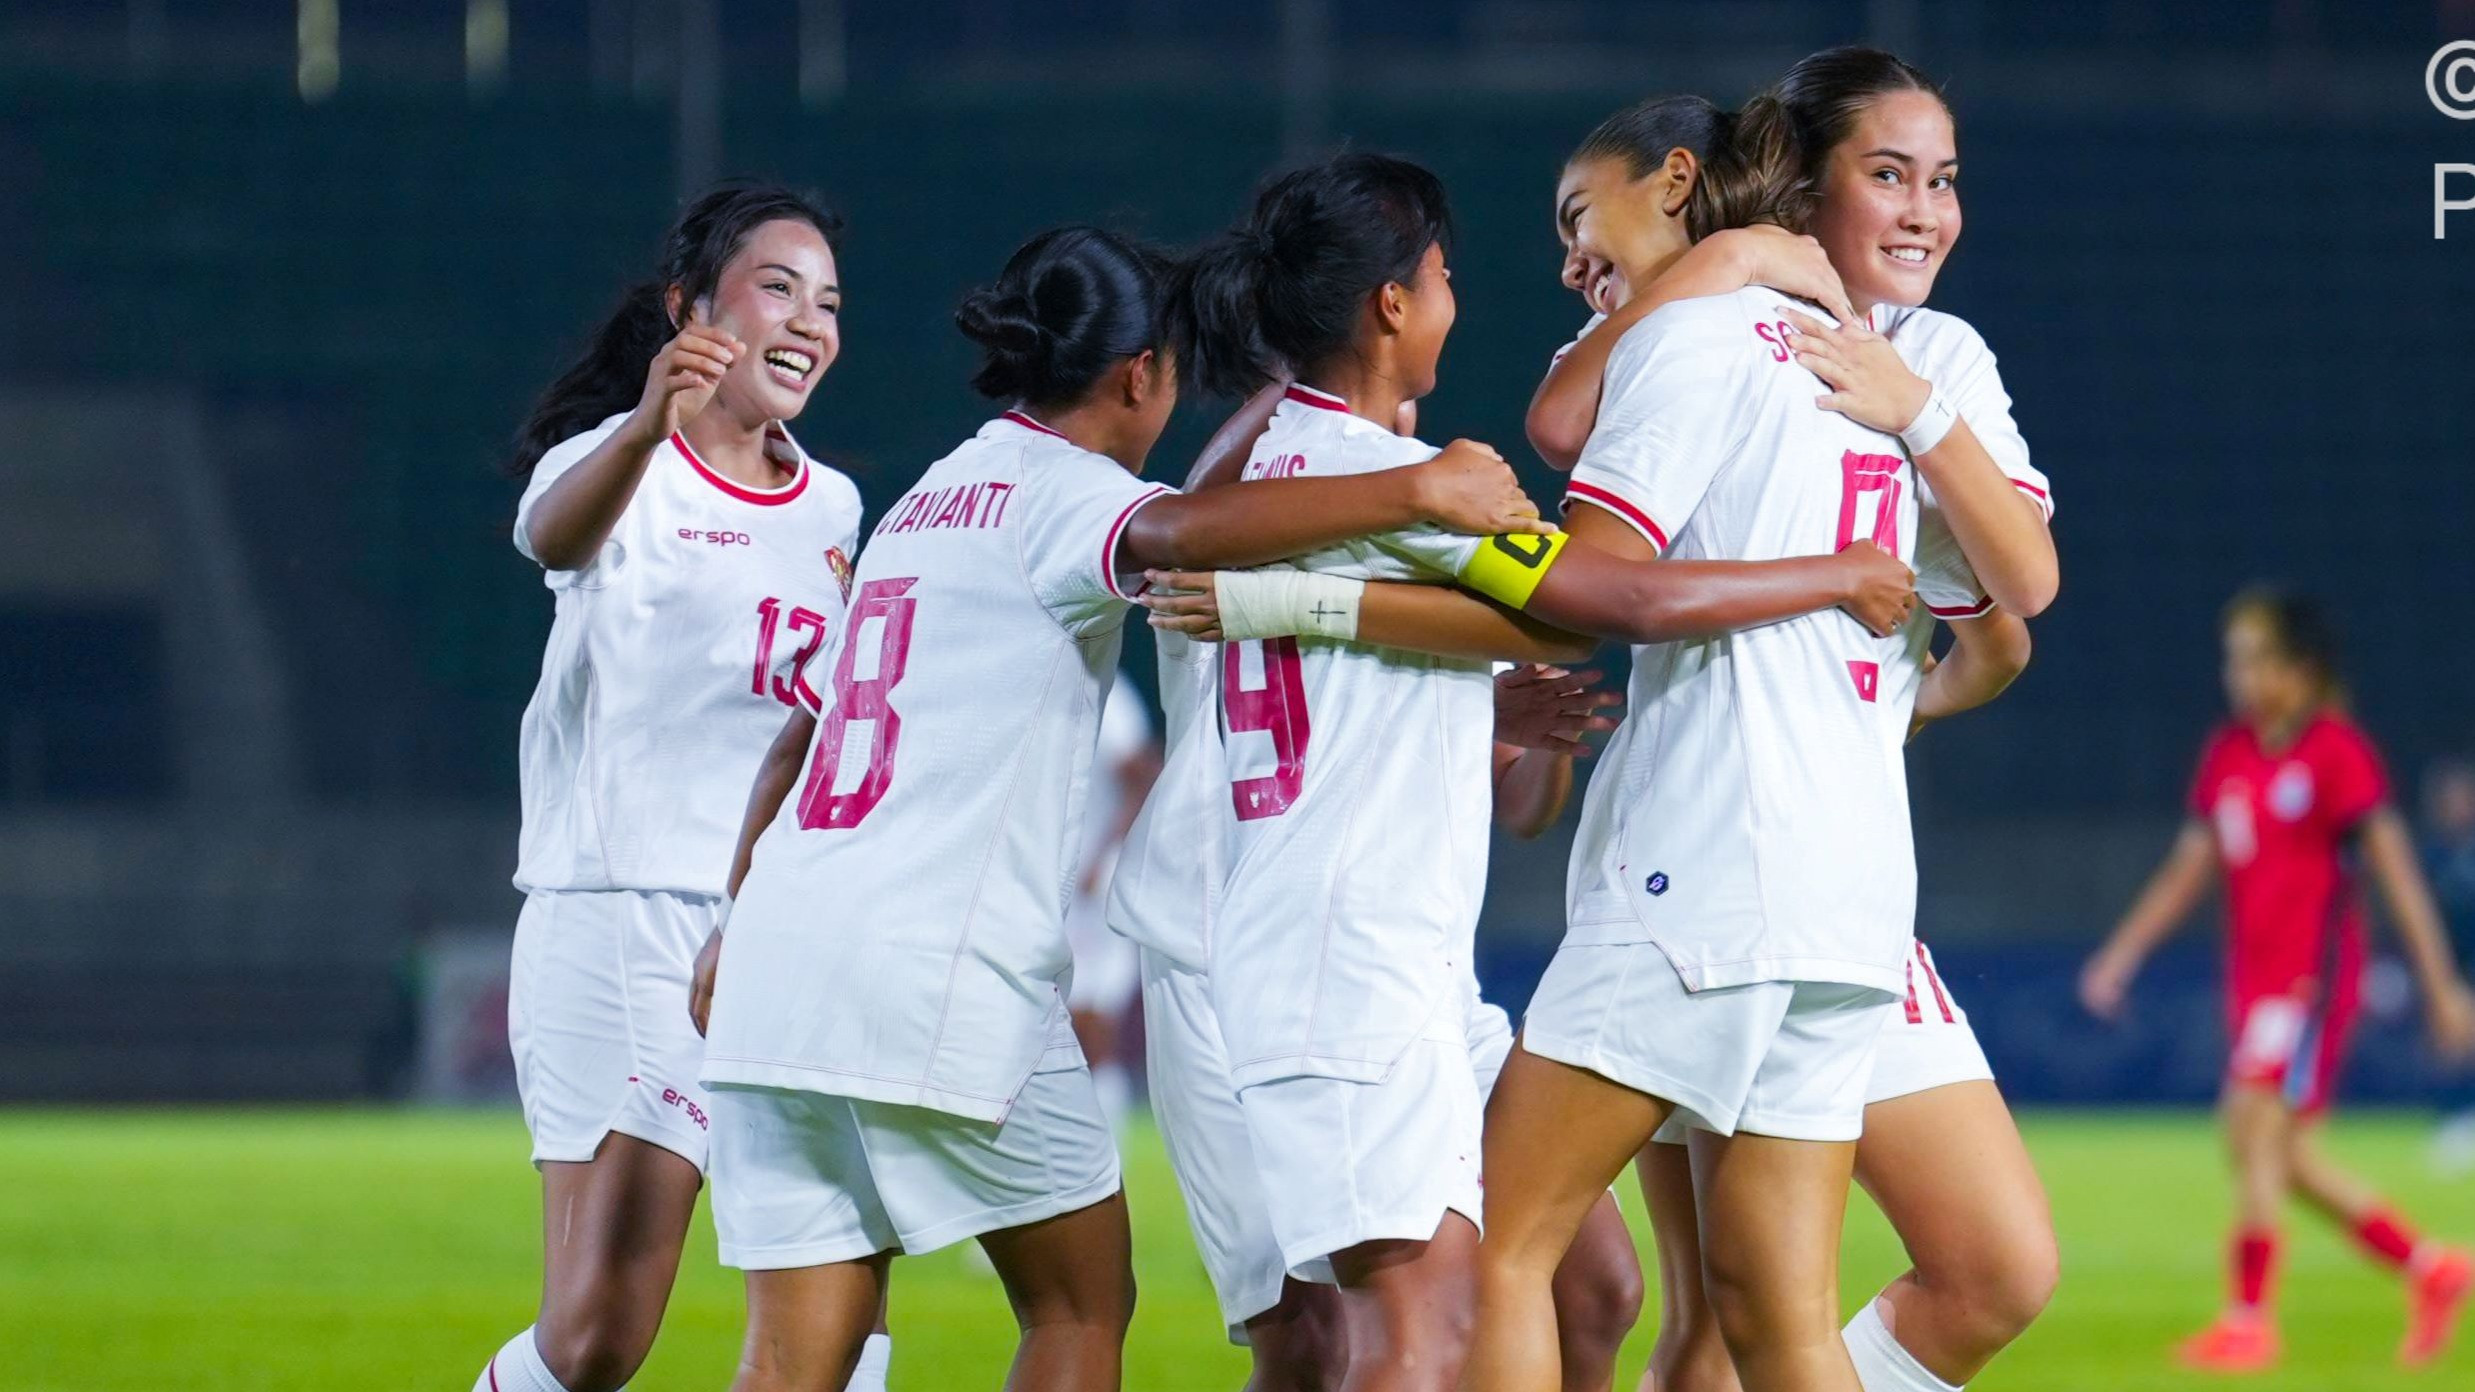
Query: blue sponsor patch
(1656,884)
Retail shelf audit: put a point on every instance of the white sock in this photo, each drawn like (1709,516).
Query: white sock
(1881,1364)
(518,1368)
(874,1357)
(1116,1092)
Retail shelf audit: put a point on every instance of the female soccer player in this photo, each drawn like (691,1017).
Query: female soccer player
(2292,802)
(1340,995)
(1731,978)
(693,550)
(1940,1152)
(1168,889)
(890,1058)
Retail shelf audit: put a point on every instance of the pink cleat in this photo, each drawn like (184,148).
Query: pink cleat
(2242,1341)
(2436,1295)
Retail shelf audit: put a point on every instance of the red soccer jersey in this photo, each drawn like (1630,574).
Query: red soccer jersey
(2285,826)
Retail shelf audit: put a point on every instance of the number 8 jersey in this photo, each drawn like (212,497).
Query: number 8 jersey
(672,662)
(1750,817)
(901,936)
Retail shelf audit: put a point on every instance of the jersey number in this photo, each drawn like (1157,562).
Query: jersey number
(1870,473)
(1278,708)
(768,623)
(862,698)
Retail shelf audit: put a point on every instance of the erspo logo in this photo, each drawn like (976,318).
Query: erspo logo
(2449,80)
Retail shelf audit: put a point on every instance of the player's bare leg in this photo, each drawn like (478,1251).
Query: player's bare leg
(612,1231)
(1597,1298)
(1556,1137)
(1689,1355)
(1771,1214)
(2439,1279)
(1949,1170)
(1070,1280)
(1300,1344)
(1406,1306)
(2257,1123)
(806,1325)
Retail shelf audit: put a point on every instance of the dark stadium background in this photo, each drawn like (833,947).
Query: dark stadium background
(268,320)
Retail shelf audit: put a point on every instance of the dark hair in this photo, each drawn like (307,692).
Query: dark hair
(1749,163)
(1280,292)
(1826,92)
(1069,303)
(2298,624)
(610,376)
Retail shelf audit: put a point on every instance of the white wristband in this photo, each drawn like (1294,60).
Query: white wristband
(1930,425)
(1282,603)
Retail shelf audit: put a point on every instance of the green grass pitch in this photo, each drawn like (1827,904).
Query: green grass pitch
(376,1249)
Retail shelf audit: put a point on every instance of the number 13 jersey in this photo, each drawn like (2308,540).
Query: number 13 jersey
(1751,815)
(901,933)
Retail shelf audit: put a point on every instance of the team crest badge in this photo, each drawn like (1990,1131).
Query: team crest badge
(2290,793)
(1656,884)
(840,565)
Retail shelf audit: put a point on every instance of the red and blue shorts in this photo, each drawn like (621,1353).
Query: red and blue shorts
(2294,1042)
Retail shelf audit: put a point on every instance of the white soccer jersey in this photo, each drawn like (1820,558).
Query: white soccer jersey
(1359,784)
(674,658)
(1166,888)
(1125,732)
(1944,350)
(901,935)
(1751,815)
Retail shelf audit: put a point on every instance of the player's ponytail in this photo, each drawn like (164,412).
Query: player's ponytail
(1825,93)
(1753,174)
(1280,293)
(1070,302)
(1748,167)
(610,375)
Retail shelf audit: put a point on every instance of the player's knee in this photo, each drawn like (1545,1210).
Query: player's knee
(2003,1288)
(1598,1304)
(593,1351)
(1098,1305)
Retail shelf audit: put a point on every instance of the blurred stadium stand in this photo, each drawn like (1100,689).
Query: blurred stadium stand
(266,642)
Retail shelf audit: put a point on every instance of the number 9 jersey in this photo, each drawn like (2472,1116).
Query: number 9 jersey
(901,936)
(674,658)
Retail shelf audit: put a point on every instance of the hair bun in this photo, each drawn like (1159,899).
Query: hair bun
(1001,321)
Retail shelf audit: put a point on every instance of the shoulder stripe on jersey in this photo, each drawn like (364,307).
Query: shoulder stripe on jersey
(1591,493)
(1029,424)
(1308,396)
(1108,548)
(762,497)
(1963,611)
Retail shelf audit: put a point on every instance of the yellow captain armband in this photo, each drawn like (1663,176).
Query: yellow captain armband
(1508,568)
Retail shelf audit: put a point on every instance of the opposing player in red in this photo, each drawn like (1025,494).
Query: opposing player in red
(2292,802)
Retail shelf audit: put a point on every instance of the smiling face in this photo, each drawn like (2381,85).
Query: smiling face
(1616,226)
(781,296)
(1889,207)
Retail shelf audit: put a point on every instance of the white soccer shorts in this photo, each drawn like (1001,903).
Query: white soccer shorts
(808,1179)
(1204,1130)
(597,1018)
(1775,1058)
(1926,1039)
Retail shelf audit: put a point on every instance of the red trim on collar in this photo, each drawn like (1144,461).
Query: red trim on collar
(762,497)
(1029,424)
(1308,396)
